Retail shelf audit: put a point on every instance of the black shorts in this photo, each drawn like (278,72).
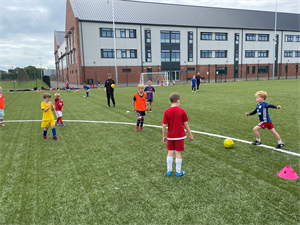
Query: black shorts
(141,113)
(149,100)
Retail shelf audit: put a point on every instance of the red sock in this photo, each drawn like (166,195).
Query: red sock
(61,120)
(57,120)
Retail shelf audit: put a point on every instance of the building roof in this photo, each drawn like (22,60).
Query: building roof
(60,37)
(149,13)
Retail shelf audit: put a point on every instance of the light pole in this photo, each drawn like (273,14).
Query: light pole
(275,42)
(95,73)
(40,58)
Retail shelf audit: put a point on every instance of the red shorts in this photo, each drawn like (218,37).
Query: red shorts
(177,145)
(264,125)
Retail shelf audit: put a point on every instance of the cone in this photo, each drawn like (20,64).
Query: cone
(287,173)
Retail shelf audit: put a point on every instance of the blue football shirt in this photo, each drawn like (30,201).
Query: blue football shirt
(262,111)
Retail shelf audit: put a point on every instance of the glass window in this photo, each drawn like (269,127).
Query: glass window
(133,54)
(126,70)
(250,37)
(106,32)
(148,55)
(165,56)
(297,38)
(253,69)
(132,33)
(288,53)
(263,37)
(175,37)
(263,54)
(175,56)
(250,54)
(221,70)
(165,37)
(221,36)
(190,55)
(297,53)
(148,36)
(107,53)
(221,54)
(122,33)
(263,69)
(205,53)
(247,70)
(206,36)
(123,53)
(289,38)
(237,37)
(190,37)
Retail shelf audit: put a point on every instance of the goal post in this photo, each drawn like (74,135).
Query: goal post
(157,78)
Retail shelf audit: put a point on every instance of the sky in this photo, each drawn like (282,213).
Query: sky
(27,26)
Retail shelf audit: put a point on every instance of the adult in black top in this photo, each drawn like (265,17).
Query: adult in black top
(198,78)
(109,90)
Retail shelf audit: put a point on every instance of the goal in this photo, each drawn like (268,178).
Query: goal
(157,78)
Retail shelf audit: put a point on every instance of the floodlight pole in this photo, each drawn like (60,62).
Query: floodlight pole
(40,66)
(114,33)
(275,42)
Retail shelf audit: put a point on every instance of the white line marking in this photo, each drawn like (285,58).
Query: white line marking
(146,125)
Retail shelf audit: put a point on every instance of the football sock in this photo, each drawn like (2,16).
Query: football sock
(54,132)
(57,120)
(44,133)
(60,120)
(178,165)
(87,94)
(258,140)
(280,142)
(169,163)
(142,122)
(138,123)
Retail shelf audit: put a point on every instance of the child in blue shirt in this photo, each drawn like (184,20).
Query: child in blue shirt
(87,89)
(193,83)
(150,91)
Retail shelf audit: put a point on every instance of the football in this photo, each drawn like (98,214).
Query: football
(112,85)
(228,143)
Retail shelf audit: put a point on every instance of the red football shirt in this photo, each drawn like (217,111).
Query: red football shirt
(174,117)
(58,104)
(2,101)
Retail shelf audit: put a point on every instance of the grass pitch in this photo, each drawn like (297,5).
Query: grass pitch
(106,173)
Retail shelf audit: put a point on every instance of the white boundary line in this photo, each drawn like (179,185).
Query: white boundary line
(146,125)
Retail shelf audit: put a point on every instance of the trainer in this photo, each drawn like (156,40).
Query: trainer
(198,78)
(109,90)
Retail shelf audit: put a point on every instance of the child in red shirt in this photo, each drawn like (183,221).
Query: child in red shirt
(2,99)
(59,104)
(176,119)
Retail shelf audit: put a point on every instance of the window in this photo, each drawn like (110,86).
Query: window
(297,53)
(148,55)
(253,69)
(286,69)
(74,39)
(175,56)
(263,37)
(123,53)
(221,54)
(263,69)
(190,37)
(107,53)
(191,69)
(297,38)
(263,54)
(289,38)
(206,36)
(221,70)
(148,36)
(165,56)
(175,37)
(106,32)
(122,33)
(288,53)
(237,37)
(205,53)
(133,54)
(250,37)
(165,37)
(296,68)
(126,70)
(221,36)
(247,70)
(132,33)
(190,55)
(250,54)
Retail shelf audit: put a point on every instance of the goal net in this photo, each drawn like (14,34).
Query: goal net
(157,78)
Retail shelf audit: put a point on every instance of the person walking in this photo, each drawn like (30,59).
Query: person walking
(199,80)
(109,90)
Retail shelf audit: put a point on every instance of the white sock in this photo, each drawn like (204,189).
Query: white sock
(169,163)
(280,142)
(178,165)
(258,140)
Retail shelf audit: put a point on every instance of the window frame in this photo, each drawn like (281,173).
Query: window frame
(249,37)
(262,37)
(132,33)
(206,34)
(263,54)
(107,51)
(223,35)
(218,52)
(251,52)
(204,52)
(133,51)
(107,31)
(288,53)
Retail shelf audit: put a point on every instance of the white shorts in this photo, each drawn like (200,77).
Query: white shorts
(58,113)
(1,113)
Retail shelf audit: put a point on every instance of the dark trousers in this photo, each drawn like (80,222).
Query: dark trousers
(110,95)
(198,84)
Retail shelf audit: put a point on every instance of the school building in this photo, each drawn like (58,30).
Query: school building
(179,39)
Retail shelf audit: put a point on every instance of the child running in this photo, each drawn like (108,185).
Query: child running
(59,104)
(2,106)
(265,121)
(176,119)
(139,105)
(87,90)
(193,83)
(150,93)
(48,118)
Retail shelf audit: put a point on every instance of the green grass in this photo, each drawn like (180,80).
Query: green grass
(99,173)
(10,85)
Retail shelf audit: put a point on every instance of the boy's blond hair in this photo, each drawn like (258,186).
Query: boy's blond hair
(140,86)
(149,81)
(174,97)
(46,95)
(262,94)
(56,95)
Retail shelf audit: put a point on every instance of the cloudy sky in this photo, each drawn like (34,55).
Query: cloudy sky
(27,26)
